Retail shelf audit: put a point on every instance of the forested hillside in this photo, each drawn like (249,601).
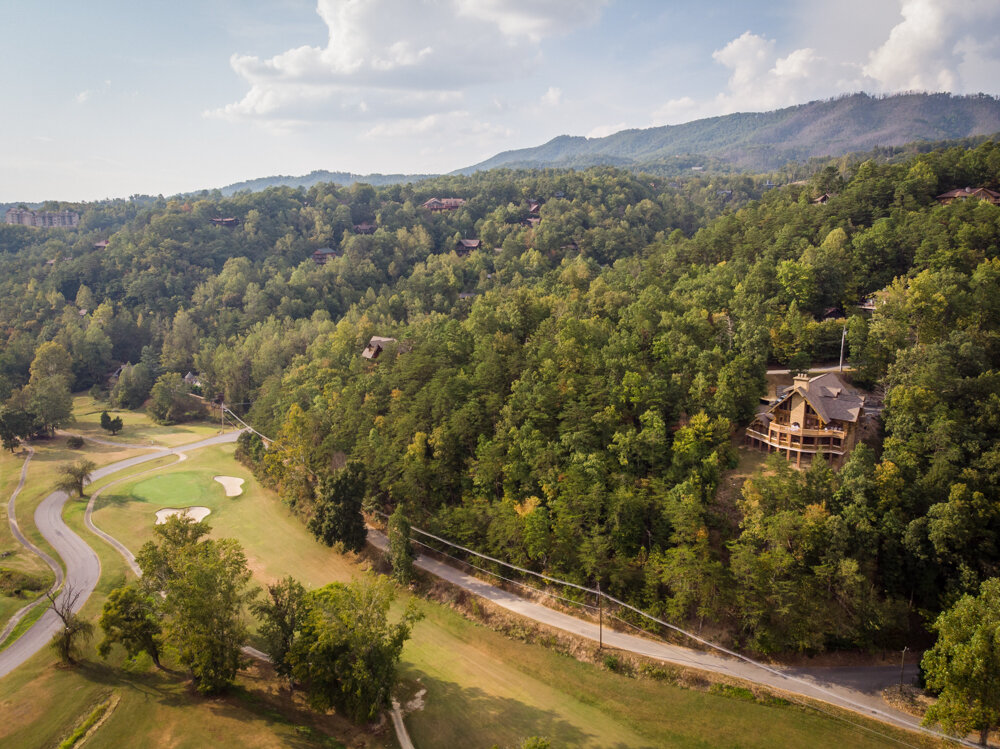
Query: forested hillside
(566,395)
(768,140)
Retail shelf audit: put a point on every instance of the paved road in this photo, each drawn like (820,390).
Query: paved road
(15,530)
(83,568)
(813,370)
(855,688)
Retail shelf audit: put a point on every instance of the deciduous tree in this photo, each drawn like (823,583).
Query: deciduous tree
(964,664)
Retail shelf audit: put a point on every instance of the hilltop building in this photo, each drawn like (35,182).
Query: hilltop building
(25,217)
(815,415)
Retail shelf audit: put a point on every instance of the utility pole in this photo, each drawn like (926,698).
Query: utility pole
(600,618)
(902,662)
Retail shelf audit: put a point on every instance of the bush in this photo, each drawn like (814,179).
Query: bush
(74,442)
(15,582)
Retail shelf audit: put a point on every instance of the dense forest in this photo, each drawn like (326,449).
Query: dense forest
(569,395)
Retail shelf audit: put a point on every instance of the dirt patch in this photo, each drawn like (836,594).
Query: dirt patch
(232,485)
(196,513)
(908,699)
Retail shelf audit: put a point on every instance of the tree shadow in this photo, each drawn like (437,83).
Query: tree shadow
(490,719)
(114,500)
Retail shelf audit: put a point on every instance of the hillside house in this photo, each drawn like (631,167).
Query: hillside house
(228,222)
(364,228)
(464,246)
(815,415)
(822,199)
(436,205)
(964,193)
(102,245)
(375,347)
(323,255)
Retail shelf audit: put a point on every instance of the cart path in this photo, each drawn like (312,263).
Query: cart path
(851,688)
(83,568)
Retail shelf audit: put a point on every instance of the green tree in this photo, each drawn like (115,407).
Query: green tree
(964,664)
(337,515)
(280,614)
(204,603)
(131,618)
(111,424)
(73,476)
(51,360)
(347,650)
(51,401)
(400,549)
(170,400)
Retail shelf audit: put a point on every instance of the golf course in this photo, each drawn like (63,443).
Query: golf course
(463,684)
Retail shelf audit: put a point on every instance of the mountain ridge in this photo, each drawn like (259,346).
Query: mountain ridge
(768,140)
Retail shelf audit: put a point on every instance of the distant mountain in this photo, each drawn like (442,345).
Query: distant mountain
(768,140)
(321,175)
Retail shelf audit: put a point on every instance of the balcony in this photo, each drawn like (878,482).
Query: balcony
(786,438)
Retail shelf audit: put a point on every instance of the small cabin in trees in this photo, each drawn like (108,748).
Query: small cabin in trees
(815,415)
(375,347)
(464,246)
(964,193)
(364,228)
(436,205)
(323,254)
(229,222)
(102,245)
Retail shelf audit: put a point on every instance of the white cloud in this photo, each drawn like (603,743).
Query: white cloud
(927,49)
(400,59)
(534,19)
(83,96)
(602,131)
(552,97)
(934,47)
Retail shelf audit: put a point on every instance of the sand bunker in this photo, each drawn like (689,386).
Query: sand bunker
(232,485)
(196,513)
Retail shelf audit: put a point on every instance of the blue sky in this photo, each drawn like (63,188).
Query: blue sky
(108,98)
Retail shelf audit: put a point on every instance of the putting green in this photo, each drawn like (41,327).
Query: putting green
(177,489)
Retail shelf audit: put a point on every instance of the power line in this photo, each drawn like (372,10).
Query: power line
(707,643)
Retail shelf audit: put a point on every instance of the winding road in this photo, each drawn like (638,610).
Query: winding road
(855,689)
(852,688)
(83,568)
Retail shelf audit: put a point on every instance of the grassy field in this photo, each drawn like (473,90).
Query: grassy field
(139,428)
(481,687)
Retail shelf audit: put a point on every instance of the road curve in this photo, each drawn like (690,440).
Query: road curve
(15,530)
(83,568)
(854,689)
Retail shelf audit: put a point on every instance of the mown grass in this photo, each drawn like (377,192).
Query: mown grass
(481,687)
(43,703)
(139,427)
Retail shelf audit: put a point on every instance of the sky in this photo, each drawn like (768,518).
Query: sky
(109,98)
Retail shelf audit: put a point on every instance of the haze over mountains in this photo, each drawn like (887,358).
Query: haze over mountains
(753,141)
